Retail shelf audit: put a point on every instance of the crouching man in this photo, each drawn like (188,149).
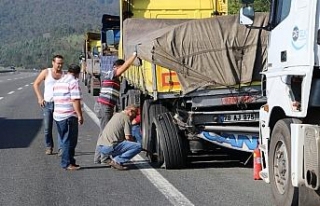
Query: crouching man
(116,140)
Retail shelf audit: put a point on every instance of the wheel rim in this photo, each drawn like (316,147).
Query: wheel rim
(156,147)
(281,166)
(145,127)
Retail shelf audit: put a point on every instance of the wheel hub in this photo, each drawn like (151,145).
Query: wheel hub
(281,167)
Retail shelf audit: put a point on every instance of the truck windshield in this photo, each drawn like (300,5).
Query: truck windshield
(282,9)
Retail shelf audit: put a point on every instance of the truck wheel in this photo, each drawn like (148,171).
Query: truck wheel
(96,92)
(167,144)
(155,148)
(85,79)
(149,111)
(280,165)
(93,91)
(91,87)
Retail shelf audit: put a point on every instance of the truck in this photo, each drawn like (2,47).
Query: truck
(90,63)
(197,78)
(197,81)
(99,52)
(289,120)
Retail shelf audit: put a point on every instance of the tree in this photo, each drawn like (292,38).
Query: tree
(259,6)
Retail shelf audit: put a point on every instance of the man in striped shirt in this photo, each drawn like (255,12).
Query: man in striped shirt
(68,114)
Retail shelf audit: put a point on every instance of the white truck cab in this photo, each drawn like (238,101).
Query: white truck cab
(289,121)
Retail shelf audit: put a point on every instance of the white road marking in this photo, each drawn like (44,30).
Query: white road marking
(91,114)
(20,88)
(26,85)
(8,79)
(168,190)
(163,185)
(1,98)
(11,92)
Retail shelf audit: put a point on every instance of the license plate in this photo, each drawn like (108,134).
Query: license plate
(239,117)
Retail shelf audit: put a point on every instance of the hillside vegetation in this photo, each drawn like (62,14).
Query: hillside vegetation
(32,31)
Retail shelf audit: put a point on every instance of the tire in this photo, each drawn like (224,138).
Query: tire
(95,92)
(149,111)
(91,87)
(283,192)
(89,84)
(167,144)
(85,79)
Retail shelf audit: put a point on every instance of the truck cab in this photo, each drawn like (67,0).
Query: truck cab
(289,121)
(99,52)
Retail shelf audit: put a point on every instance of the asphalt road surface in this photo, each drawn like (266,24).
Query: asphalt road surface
(28,177)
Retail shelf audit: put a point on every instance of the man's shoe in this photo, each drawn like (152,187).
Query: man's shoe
(59,152)
(73,167)
(117,166)
(107,162)
(49,151)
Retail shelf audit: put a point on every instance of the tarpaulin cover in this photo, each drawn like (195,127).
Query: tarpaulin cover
(211,52)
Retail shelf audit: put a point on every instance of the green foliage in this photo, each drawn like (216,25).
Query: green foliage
(259,6)
(32,31)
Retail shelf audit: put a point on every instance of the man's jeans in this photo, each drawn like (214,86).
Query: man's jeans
(48,124)
(121,152)
(68,131)
(136,133)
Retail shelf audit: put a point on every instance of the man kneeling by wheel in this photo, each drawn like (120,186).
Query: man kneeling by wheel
(116,140)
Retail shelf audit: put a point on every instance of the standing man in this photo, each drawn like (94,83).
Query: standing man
(49,76)
(109,95)
(116,139)
(68,114)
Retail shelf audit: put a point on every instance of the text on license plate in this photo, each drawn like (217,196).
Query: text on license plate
(239,117)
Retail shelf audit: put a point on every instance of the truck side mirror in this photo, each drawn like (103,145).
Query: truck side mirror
(318,37)
(246,15)
(110,38)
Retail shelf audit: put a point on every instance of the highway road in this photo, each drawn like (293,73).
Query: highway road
(28,177)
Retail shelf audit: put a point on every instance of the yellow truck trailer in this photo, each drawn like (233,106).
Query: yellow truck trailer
(166,82)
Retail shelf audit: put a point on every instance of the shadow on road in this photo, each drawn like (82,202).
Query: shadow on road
(84,153)
(217,158)
(223,158)
(18,133)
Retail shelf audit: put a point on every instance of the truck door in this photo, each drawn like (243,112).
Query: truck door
(292,39)
(291,54)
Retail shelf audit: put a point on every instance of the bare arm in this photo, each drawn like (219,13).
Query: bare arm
(126,65)
(77,107)
(36,86)
(134,122)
